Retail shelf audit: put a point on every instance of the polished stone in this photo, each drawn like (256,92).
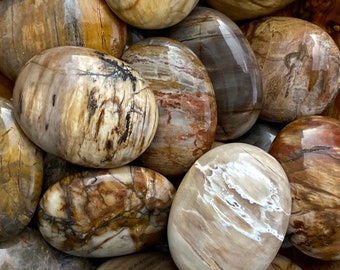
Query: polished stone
(309,151)
(186,103)
(232,67)
(28,27)
(105,213)
(6,87)
(233,203)
(299,63)
(85,106)
(333,109)
(248,9)
(152,14)
(21,175)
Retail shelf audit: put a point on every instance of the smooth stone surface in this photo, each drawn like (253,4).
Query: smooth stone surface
(107,114)
(28,27)
(152,14)
(233,203)
(309,151)
(186,103)
(247,9)
(231,65)
(299,63)
(281,262)
(105,213)
(262,135)
(141,261)
(21,175)
(28,251)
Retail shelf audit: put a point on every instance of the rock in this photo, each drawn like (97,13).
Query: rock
(233,203)
(105,213)
(186,103)
(85,106)
(21,175)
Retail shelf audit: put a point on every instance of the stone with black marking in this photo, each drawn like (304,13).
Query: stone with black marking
(85,106)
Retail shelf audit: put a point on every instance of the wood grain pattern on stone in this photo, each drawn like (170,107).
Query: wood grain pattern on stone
(231,65)
(105,213)
(309,151)
(152,260)
(6,87)
(247,9)
(28,27)
(85,106)
(21,174)
(152,14)
(233,203)
(28,251)
(186,103)
(299,63)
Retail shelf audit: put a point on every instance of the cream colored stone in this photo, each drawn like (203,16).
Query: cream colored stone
(233,203)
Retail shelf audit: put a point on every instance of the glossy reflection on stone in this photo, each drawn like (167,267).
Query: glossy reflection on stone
(186,103)
(21,175)
(232,67)
(106,213)
(299,63)
(309,151)
(233,203)
(152,260)
(85,106)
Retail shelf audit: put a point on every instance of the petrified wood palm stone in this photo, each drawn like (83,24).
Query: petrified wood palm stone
(152,14)
(231,65)
(28,27)
(299,63)
(21,175)
(233,203)
(309,151)
(186,103)
(85,106)
(104,213)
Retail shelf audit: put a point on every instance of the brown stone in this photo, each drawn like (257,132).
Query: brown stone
(186,103)
(309,151)
(105,213)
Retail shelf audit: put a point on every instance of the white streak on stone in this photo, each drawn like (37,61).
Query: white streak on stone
(222,181)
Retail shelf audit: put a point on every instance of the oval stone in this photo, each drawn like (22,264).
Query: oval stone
(309,151)
(104,213)
(186,103)
(21,175)
(233,203)
(232,67)
(85,106)
(299,64)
